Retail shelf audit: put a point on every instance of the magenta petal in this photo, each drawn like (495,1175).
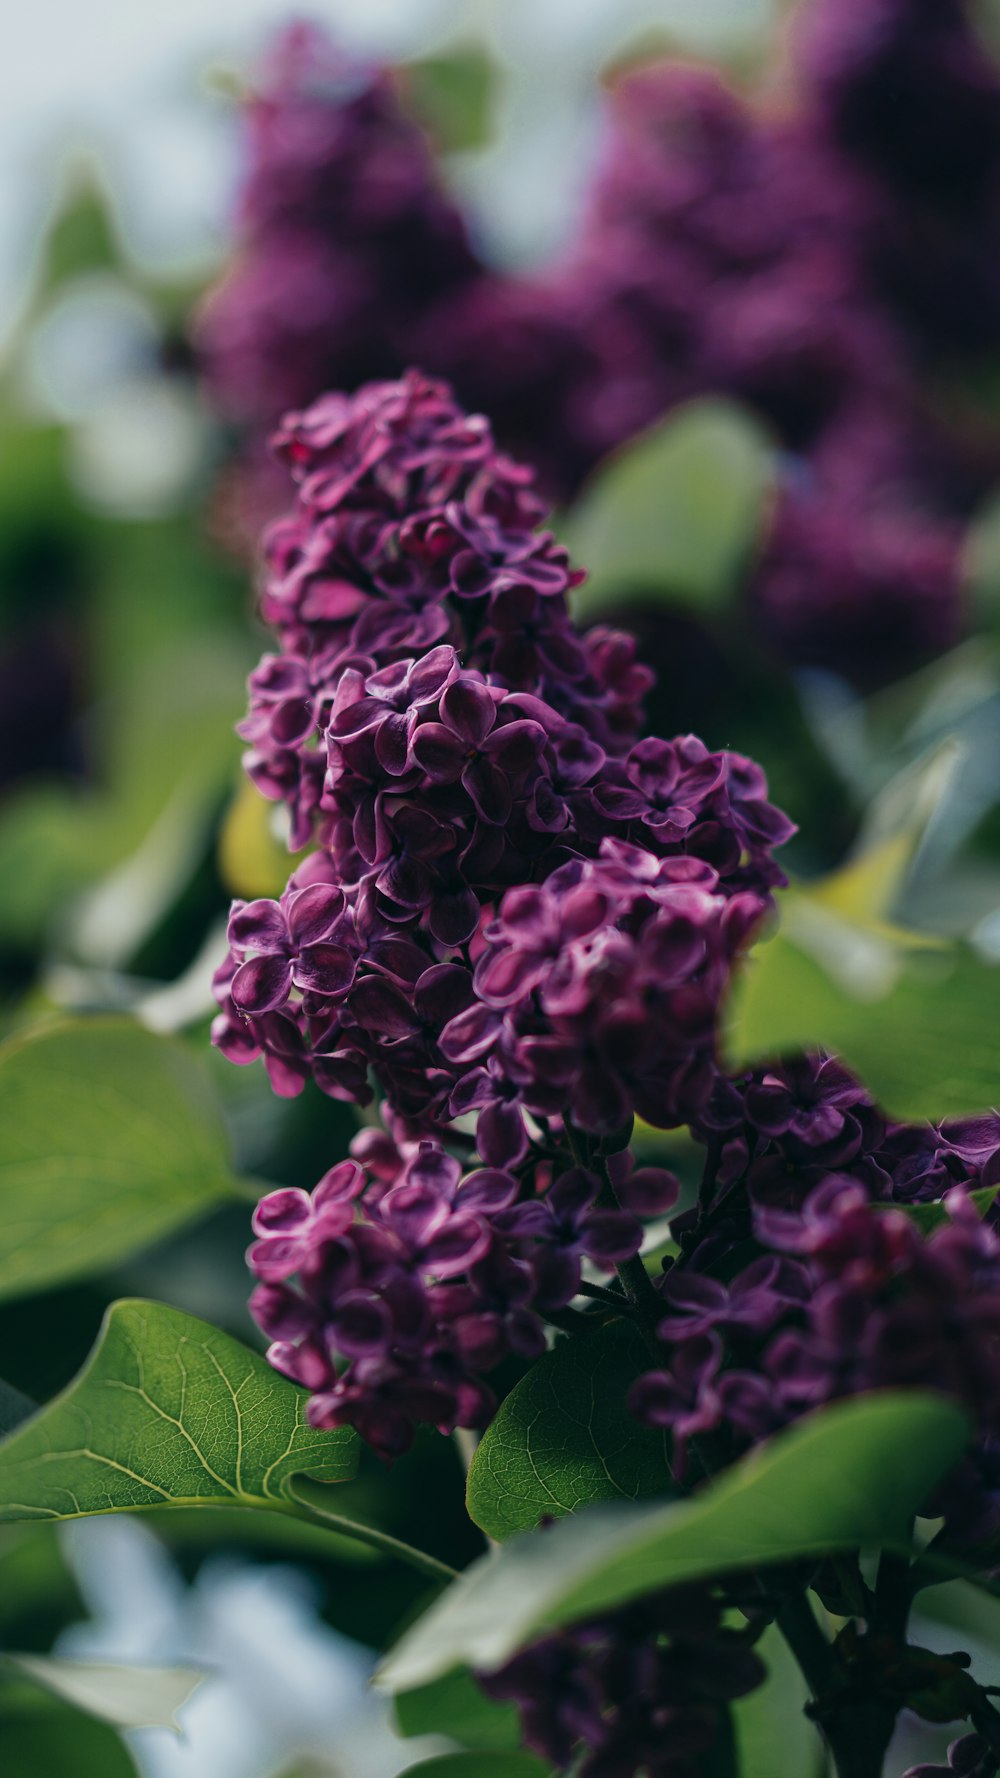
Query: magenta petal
(516,748)
(430,674)
(489,790)
(453,918)
(415,1212)
(324,969)
(470,1035)
(392,742)
(508,975)
(609,1236)
(460,1242)
(341,1184)
(470,710)
(282,1212)
(313,912)
(573,1191)
(501,1136)
(438,752)
(258,926)
(361,1324)
(262,984)
(382,1010)
(487,1191)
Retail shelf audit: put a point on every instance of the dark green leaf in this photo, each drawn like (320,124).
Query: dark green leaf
(674,513)
(14,1407)
(849,1476)
(564,1438)
(44,1739)
(457,1707)
(110,1138)
(167,1411)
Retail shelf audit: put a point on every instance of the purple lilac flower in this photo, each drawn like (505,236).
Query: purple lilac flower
(597,990)
(640,1690)
(440,732)
(345,237)
(847,1297)
(884,582)
(809,262)
(774,1135)
(392,1289)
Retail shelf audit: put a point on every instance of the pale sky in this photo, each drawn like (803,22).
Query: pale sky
(128,79)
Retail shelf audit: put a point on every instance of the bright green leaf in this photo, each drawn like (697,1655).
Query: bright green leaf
(925,1036)
(564,1438)
(457,1707)
(453,93)
(675,513)
(127,1697)
(852,1475)
(110,1138)
(930,1215)
(167,1411)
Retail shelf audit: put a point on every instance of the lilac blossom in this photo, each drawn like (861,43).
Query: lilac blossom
(345,236)
(597,990)
(846,1297)
(410,580)
(391,1291)
(642,1689)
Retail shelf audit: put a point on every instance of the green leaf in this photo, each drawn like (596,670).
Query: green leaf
(853,1475)
(480,1765)
(674,513)
(774,1737)
(14,1407)
(931,1216)
(110,1138)
(925,1036)
(457,1707)
(454,95)
(127,1697)
(167,1411)
(44,1737)
(564,1438)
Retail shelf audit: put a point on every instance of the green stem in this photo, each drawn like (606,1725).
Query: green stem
(311,1498)
(857,1730)
(893,1594)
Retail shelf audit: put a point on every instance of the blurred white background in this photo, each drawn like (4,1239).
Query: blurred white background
(137,90)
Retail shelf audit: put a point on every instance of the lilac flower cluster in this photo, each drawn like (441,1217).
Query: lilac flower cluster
(392,1289)
(345,237)
(437,727)
(845,1297)
(817,263)
(644,1689)
(775,1135)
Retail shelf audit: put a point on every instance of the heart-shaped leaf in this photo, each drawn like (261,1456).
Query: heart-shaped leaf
(167,1411)
(563,1438)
